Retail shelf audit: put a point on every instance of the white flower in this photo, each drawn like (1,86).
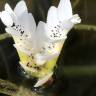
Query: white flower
(43,42)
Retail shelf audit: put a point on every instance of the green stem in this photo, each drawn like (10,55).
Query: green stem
(80,70)
(85,27)
(11,89)
(4,36)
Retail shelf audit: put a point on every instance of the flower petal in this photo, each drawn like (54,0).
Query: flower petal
(41,59)
(21,48)
(40,36)
(10,11)
(55,33)
(75,19)
(6,18)
(32,24)
(52,18)
(64,10)
(20,8)
(43,80)
(28,22)
(16,31)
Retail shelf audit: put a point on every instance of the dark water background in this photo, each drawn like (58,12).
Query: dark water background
(79,50)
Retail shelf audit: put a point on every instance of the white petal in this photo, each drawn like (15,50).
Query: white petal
(32,23)
(40,30)
(27,69)
(43,80)
(29,26)
(55,33)
(26,44)
(67,26)
(20,8)
(18,30)
(39,59)
(10,11)
(8,8)
(28,22)
(14,32)
(64,10)
(23,49)
(75,19)
(6,18)
(40,34)
(48,47)
(52,19)
(50,57)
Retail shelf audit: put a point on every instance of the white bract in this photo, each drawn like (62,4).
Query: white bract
(45,41)
(21,25)
(59,22)
(41,81)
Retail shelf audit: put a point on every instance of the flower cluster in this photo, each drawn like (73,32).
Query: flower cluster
(39,46)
